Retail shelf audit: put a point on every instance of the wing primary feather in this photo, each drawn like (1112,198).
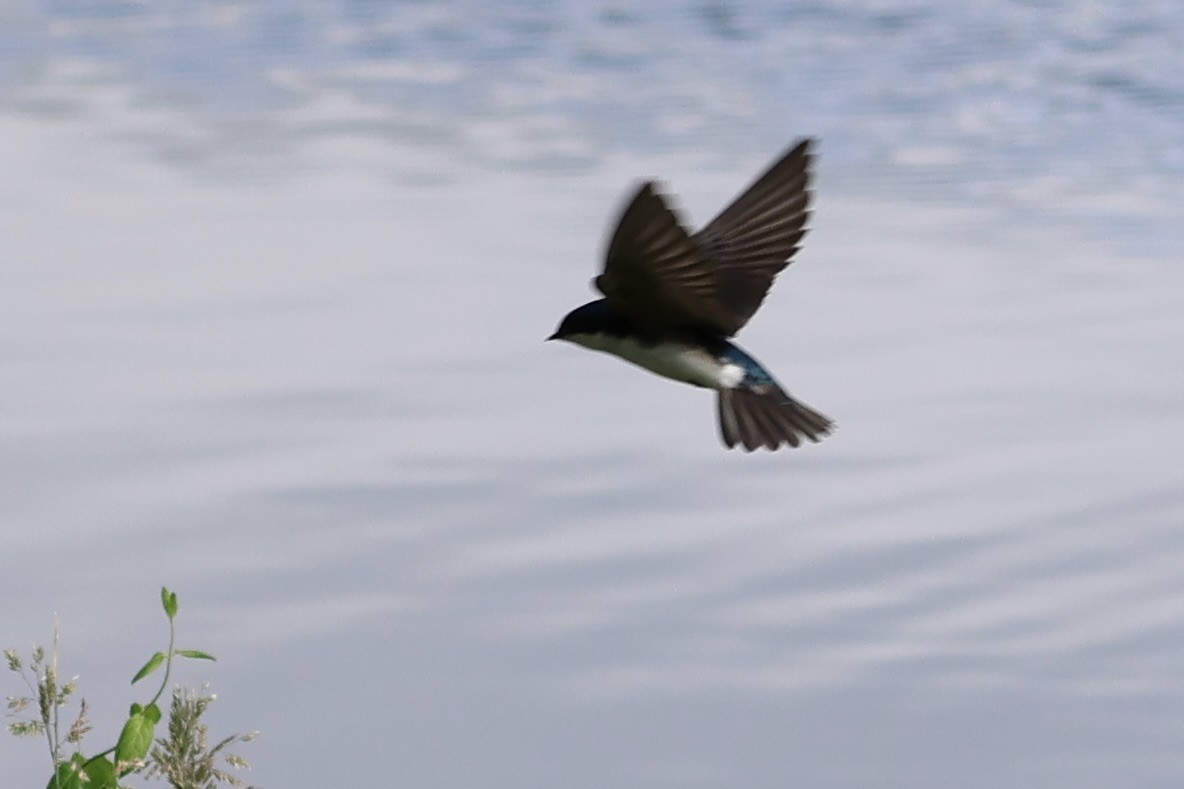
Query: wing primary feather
(756,236)
(663,278)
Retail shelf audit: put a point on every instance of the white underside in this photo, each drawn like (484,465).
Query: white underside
(670,360)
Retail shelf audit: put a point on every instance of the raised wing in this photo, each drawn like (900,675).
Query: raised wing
(656,274)
(755,237)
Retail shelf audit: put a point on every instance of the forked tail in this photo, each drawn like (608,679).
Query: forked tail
(768,419)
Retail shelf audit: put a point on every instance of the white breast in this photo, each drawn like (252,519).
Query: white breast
(673,360)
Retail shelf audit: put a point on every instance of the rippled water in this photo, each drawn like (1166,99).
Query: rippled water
(274,289)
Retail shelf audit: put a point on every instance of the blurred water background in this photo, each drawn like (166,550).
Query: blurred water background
(274,284)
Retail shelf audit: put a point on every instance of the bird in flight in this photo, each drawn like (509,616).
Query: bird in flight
(672,300)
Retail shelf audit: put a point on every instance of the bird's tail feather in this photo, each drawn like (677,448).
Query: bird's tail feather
(768,419)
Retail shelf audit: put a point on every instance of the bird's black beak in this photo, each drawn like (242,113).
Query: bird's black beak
(554,336)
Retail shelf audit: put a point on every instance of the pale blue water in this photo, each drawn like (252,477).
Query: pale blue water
(272,301)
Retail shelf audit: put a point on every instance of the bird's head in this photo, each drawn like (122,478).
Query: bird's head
(593,318)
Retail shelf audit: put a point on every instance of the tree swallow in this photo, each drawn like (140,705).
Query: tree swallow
(672,300)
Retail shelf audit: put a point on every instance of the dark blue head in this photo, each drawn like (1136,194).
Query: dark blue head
(595,317)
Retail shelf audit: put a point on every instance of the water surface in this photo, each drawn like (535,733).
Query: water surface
(274,294)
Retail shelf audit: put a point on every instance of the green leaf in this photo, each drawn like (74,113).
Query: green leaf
(169,601)
(153,664)
(196,654)
(101,773)
(152,713)
(134,740)
(66,775)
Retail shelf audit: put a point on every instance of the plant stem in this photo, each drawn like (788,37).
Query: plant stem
(51,690)
(168,662)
